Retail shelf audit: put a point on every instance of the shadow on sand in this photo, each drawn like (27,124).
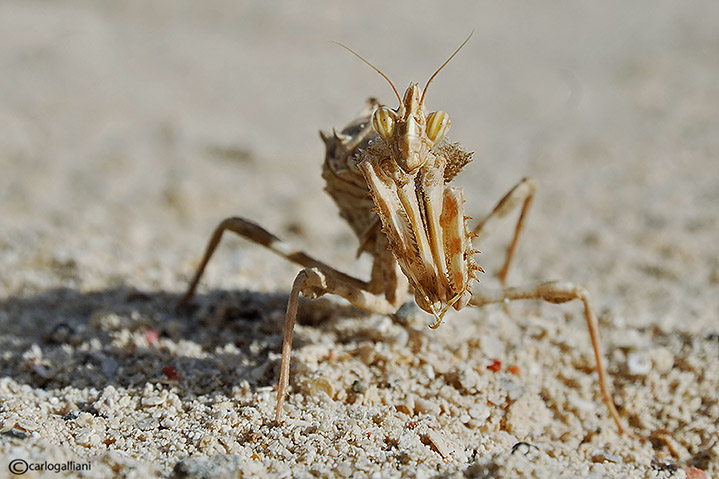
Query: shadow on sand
(129,338)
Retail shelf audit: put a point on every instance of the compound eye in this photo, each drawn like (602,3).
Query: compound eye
(383,121)
(438,124)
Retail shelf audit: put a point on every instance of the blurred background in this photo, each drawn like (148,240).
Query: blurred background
(129,129)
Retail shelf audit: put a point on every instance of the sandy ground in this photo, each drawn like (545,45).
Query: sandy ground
(128,130)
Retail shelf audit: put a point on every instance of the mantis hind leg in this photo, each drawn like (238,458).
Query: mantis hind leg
(257,234)
(381,295)
(522,193)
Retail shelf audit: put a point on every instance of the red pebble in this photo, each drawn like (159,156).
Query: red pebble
(171,373)
(495,366)
(694,473)
(151,336)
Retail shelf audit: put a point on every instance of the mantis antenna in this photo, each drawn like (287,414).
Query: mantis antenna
(421,100)
(373,67)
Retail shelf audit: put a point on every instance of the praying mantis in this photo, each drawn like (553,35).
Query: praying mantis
(390,173)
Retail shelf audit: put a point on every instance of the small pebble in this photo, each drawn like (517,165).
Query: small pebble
(479,412)
(469,380)
(152,401)
(639,363)
(365,353)
(429,371)
(219,466)
(407,406)
(87,437)
(8,424)
(408,313)
(358,386)
(514,388)
(524,449)
(84,419)
(663,360)
(441,445)
(695,473)
(322,386)
(424,406)
(17,433)
(70,416)
(528,415)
